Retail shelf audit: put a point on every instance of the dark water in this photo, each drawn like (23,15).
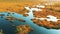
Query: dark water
(5,25)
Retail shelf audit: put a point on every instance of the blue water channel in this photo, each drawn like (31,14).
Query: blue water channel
(5,25)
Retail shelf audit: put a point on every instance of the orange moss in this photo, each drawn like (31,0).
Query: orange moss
(23,29)
(42,14)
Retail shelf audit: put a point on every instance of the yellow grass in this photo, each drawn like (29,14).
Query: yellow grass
(15,5)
